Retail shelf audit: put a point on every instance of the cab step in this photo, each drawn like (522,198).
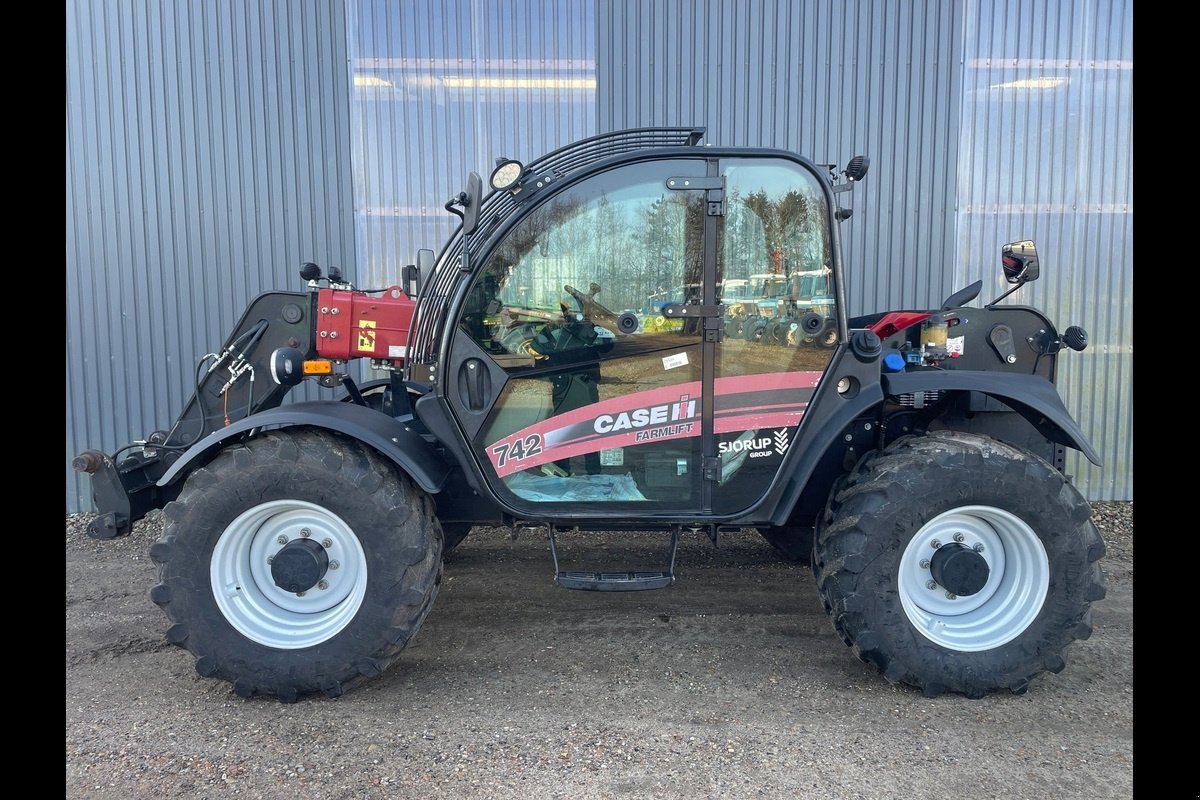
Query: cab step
(615,581)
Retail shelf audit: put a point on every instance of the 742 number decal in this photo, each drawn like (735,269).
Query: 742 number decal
(518,450)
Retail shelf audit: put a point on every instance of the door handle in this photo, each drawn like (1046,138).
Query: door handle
(473,378)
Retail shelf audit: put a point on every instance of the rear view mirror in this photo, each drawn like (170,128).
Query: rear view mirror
(474,198)
(1020,262)
(416,277)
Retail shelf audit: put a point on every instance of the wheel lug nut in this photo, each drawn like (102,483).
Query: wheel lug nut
(924,563)
(282,540)
(300,594)
(334,564)
(931,584)
(327,543)
(951,596)
(270,559)
(305,532)
(978,548)
(322,584)
(935,544)
(958,537)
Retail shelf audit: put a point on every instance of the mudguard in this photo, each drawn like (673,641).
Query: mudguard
(392,438)
(1031,396)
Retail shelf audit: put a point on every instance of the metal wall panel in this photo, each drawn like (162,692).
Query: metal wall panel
(1047,154)
(207,157)
(441,89)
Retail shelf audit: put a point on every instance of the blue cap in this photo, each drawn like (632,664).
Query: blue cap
(893,362)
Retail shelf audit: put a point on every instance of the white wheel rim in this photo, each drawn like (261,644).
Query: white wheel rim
(1010,600)
(240,571)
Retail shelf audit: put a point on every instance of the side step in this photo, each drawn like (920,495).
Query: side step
(615,581)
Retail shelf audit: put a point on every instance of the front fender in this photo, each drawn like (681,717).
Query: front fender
(392,438)
(1032,396)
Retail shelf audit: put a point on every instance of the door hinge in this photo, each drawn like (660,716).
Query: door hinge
(712,468)
(715,202)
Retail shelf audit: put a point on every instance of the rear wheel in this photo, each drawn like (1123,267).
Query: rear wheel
(954,562)
(297,562)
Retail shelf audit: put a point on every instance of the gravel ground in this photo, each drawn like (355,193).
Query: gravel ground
(731,683)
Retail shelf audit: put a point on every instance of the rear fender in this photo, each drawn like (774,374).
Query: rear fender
(393,439)
(831,417)
(1033,397)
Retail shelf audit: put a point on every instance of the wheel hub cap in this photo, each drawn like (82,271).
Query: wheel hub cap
(299,565)
(959,568)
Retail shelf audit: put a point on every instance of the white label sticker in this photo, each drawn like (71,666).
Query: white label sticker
(955,346)
(397,351)
(613,457)
(677,360)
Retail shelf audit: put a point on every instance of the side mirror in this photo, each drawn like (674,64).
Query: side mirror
(417,276)
(1020,262)
(474,198)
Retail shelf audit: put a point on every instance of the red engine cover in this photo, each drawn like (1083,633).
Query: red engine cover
(355,325)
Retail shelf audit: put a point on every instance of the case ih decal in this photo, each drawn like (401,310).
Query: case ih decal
(770,400)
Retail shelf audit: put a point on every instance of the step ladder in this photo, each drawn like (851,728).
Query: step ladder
(619,581)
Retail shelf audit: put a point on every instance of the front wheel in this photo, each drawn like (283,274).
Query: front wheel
(955,562)
(297,562)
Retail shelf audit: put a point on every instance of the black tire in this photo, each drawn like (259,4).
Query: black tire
(345,502)
(754,330)
(828,338)
(770,333)
(374,393)
(872,563)
(794,542)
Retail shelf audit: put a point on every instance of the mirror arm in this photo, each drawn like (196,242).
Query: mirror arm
(1006,294)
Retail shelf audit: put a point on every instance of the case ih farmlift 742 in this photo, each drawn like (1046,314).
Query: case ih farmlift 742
(913,457)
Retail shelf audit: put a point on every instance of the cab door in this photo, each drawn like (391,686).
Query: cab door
(579,395)
(776,231)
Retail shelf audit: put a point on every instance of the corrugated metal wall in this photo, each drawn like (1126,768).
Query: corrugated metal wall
(443,89)
(1046,153)
(207,157)
(213,147)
